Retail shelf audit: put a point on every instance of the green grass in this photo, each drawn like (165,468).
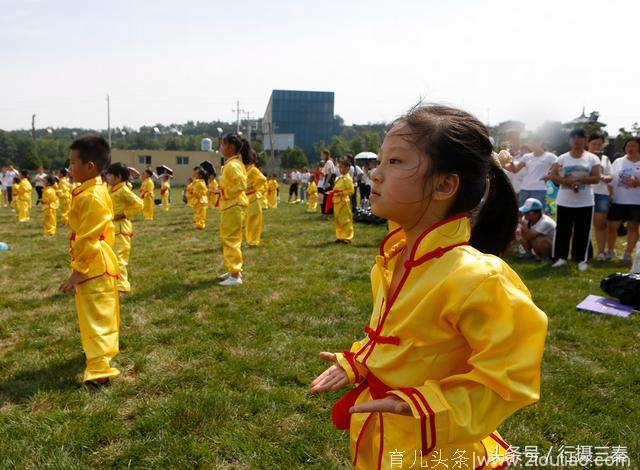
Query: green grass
(218,377)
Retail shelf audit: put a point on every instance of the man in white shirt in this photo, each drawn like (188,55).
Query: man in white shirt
(304,183)
(328,177)
(537,229)
(39,182)
(293,189)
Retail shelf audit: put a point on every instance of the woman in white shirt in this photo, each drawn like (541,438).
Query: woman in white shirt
(601,195)
(537,164)
(575,171)
(625,203)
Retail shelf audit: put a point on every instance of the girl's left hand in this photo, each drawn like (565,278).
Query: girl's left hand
(390,404)
(331,379)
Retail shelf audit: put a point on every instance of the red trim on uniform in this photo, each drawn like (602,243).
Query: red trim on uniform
(377,338)
(386,238)
(349,357)
(381,442)
(117,276)
(432,418)
(432,228)
(364,427)
(423,421)
(503,444)
(437,253)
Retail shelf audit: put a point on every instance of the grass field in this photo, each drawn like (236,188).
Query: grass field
(217,377)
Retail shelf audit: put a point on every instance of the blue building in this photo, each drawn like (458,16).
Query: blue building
(300,118)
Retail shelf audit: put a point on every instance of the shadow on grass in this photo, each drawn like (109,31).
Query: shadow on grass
(33,302)
(171,290)
(57,376)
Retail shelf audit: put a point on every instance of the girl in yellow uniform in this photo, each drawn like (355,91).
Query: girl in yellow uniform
(165,188)
(214,193)
(272,192)
(49,203)
(454,345)
(64,196)
(233,204)
(24,202)
(312,195)
(342,214)
(146,194)
(15,193)
(262,196)
(256,181)
(125,205)
(200,191)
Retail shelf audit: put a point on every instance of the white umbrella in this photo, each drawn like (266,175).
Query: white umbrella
(366,156)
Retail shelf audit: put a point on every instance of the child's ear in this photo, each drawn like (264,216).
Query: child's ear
(446,186)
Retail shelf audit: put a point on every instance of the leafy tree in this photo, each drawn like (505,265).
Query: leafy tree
(294,158)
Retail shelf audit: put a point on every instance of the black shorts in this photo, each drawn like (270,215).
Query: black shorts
(630,212)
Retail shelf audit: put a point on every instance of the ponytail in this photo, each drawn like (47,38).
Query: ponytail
(246,152)
(495,224)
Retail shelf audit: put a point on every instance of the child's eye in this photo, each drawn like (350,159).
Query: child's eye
(393,161)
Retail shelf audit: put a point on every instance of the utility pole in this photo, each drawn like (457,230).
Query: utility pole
(109,119)
(237,111)
(33,126)
(247,115)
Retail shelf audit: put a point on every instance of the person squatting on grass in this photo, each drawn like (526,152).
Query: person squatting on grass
(93,260)
(49,202)
(125,205)
(455,343)
(233,204)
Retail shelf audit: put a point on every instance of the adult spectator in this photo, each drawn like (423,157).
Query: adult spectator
(537,164)
(625,203)
(40,181)
(328,176)
(365,185)
(601,195)
(537,229)
(293,189)
(356,176)
(7,181)
(575,171)
(305,175)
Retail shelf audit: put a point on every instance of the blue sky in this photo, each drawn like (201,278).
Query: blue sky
(176,61)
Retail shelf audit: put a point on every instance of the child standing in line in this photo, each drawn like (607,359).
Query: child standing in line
(49,203)
(312,195)
(272,191)
(93,262)
(256,181)
(199,191)
(147,195)
(24,201)
(342,214)
(213,187)
(125,205)
(64,195)
(165,188)
(454,345)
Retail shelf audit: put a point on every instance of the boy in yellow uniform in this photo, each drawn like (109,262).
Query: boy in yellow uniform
(146,194)
(253,225)
(164,191)
(125,205)
(272,192)
(213,194)
(64,196)
(49,203)
(312,195)
(342,215)
(93,260)
(233,204)
(24,202)
(199,191)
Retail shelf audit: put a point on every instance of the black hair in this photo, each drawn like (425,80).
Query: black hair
(456,142)
(202,173)
(17,179)
(24,173)
(149,173)
(578,133)
(119,169)
(595,136)
(63,171)
(51,180)
(631,139)
(92,148)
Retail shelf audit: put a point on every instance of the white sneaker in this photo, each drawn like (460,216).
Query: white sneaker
(561,262)
(609,255)
(231,281)
(582,266)
(224,276)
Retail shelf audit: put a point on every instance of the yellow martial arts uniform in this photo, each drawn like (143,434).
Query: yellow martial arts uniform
(189,194)
(64,197)
(342,215)
(199,191)
(233,203)
(164,194)
(49,203)
(97,303)
(272,193)
(312,197)
(147,196)
(262,196)
(214,198)
(23,200)
(124,202)
(253,224)
(460,341)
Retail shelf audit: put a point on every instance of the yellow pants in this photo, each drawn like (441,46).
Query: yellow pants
(253,224)
(98,310)
(123,250)
(263,202)
(312,204)
(344,221)
(49,221)
(200,215)
(272,199)
(65,206)
(231,220)
(23,210)
(165,201)
(147,210)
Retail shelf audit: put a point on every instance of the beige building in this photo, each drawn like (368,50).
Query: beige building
(180,161)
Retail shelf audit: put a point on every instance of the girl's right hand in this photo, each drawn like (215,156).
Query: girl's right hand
(331,379)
